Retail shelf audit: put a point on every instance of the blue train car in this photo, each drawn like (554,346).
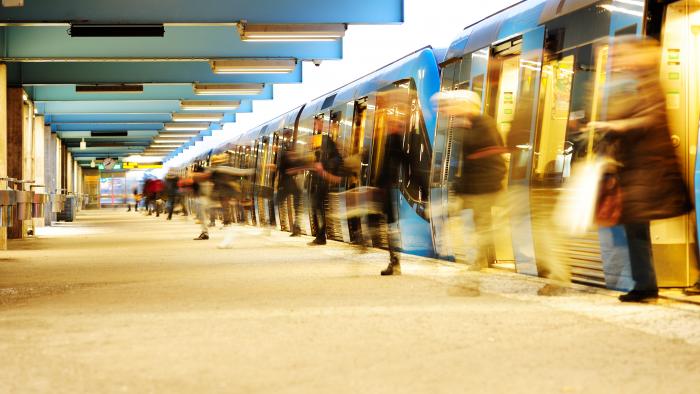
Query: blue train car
(353,117)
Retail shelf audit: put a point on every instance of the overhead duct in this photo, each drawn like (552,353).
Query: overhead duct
(90,30)
(109,88)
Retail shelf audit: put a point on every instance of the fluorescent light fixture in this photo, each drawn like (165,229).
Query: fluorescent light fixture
(176,136)
(109,88)
(228,89)
(83,144)
(291,32)
(200,117)
(253,66)
(164,146)
(186,126)
(170,140)
(197,105)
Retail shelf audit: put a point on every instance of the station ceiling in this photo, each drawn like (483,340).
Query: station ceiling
(116,73)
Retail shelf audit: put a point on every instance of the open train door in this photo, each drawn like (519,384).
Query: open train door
(674,240)
(520,140)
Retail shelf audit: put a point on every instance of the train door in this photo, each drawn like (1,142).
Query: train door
(569,97)
(358,153)
(455,74)
(500,102)
(336,217)
(673,240)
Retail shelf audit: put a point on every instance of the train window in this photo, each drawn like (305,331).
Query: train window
(335,121)
(552,154)
(479,68)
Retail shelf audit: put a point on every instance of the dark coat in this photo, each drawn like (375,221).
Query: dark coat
(650,174)
(482,167)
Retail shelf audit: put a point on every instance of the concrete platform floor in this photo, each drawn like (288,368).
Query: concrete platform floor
(120,302)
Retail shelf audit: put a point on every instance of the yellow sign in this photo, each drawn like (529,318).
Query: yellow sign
(141,166)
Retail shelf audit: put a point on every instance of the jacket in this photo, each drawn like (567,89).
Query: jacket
(649,174)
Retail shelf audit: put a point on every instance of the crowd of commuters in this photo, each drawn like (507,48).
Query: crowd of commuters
(644,184)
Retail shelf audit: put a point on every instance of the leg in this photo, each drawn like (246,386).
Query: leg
(393,235)
(319,217)
(201,212)
(639,241)
(641,263)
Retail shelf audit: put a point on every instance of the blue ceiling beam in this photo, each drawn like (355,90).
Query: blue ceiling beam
(118,107)
(150,92)
(178,43)
(207,11)
(133,72)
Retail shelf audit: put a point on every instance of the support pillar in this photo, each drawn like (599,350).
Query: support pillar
(3,141)
(15,145)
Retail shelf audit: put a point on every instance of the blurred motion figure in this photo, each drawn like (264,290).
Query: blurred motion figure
(636,135)
(478,178)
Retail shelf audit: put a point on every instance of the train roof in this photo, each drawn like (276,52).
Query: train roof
(399,69)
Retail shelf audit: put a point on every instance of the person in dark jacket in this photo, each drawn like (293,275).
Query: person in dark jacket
(636,135)
(478,178)
(327,164)
(172,192)
(286,184)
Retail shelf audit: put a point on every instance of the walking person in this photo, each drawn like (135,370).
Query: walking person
(478,179)
(200,192)
(327,164)
(172,192)
(286,182)
(636,135)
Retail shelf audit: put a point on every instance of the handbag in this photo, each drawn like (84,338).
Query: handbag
(609,202)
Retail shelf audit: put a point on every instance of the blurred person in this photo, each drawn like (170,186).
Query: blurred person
(200,193)
(172,192)
(286,182)
(152,189)
(227,186)
(326,165)
(478,178)
(137,199)
(636,135)
(393,158)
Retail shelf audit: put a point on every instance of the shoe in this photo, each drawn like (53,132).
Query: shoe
(394,267)
(202,236)
(316,242)
(295,235)
(692,291)
(639,296)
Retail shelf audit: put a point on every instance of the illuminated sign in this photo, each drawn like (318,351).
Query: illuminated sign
(141,166)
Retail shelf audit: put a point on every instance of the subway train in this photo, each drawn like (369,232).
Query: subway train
(540,68)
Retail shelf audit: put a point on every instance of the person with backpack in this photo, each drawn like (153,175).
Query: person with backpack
(478,178)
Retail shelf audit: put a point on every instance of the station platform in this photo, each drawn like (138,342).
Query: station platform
(122,302)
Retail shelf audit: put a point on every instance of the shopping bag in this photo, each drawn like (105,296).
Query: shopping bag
(577,204)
